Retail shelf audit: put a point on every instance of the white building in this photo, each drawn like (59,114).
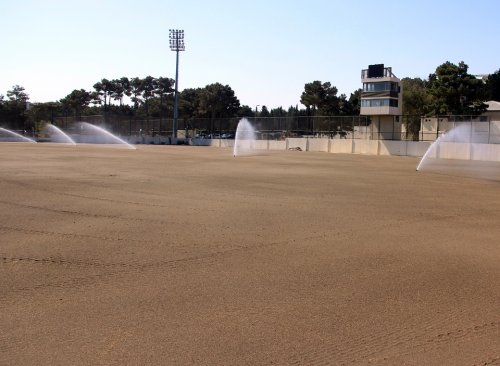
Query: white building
(382,101)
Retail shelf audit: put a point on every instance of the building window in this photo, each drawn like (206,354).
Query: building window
(381,86)
(379,103)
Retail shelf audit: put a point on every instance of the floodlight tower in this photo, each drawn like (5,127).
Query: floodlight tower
(176,44)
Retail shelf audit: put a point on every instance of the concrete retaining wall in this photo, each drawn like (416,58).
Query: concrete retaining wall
(277,145)
(393,148)
(137,139)
(215,142)
(294,143)
(341,146)
(486,152)
(317,145)
(226,143)
(369,147)
(261,145)
(446,150)
(201,142)
(453,150)
(417,148)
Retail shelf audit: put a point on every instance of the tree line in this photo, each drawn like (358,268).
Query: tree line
(151,97)
(449,90)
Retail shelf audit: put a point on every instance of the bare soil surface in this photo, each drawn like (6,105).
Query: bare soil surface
(178,255)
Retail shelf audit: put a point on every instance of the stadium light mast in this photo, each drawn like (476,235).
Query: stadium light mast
(176,44)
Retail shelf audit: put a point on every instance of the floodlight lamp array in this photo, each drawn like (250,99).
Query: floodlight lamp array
(177,40)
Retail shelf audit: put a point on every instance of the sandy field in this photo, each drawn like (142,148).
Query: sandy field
(178,255)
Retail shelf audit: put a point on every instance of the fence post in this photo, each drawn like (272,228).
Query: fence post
(470,140)
(352,134)
(422,128)
(437,128)
(471,126)
(489,129)
(393,124)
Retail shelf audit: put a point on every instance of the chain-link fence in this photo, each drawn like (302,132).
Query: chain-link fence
(484,129)
(266,127)
(481,128)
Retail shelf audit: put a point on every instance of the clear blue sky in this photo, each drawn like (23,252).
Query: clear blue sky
(265,50)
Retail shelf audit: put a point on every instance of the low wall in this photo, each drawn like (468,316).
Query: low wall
(445,150)
(293,143)
(454,150)
(138,139)
(341,146)
(215,142)
(369,147)
(393,148)
(201,142)
(417,148)
(226,143)
(261,145)
(317,145)
(485,152)
(277,145)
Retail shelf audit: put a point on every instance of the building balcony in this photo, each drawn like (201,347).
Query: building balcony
(380,111)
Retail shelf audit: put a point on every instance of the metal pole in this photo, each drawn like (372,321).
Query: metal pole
(422,128)
(176,44)
(174,127)
(437,129)
(489,129)
(256,109)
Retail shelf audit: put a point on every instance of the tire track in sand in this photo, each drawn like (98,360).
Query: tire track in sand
(111,270)
(414,337)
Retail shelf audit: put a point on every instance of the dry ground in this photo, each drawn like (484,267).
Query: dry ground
(177,255)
